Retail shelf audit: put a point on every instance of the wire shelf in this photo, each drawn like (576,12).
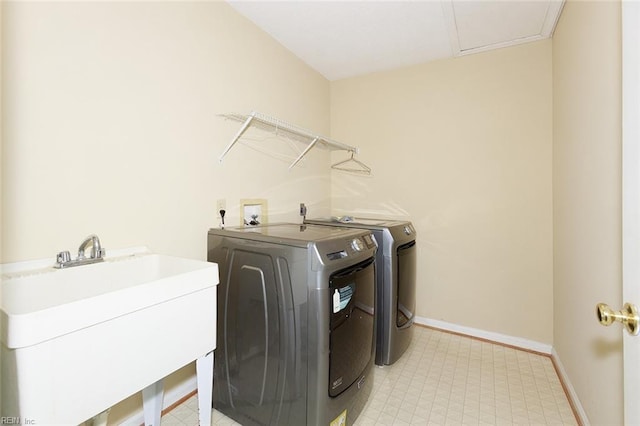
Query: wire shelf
(283,129)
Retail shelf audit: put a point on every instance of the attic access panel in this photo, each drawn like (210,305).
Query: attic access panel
(476,26)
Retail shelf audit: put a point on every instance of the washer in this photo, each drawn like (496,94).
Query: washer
(296,328)
(395,281)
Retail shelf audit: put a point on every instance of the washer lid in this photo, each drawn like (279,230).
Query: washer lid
(358,222)
(290,233)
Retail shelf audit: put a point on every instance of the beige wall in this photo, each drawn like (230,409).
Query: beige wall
(110,124)
(110,127)
(587,201)
(1,133)
(463,148)
(1,178)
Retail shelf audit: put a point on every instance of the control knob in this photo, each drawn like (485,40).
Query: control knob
(357,244)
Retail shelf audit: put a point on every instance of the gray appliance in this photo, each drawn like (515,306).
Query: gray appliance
(296,328)
(395,281)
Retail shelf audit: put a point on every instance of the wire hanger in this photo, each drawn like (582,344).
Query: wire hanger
(352,165)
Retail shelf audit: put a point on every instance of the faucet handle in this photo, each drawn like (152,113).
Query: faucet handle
(63,257)
(100,253)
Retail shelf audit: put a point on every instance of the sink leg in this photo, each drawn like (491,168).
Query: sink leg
(152,403)
(204,375)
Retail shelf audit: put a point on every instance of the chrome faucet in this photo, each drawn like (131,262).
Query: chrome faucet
(63,259)
(96,249)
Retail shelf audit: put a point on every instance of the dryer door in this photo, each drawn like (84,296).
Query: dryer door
(351,324)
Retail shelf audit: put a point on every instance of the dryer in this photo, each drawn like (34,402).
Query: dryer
(296,328)
(395,281)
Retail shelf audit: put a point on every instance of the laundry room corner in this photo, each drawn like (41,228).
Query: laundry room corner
(462,147)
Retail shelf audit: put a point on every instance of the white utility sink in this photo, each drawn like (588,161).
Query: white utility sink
(77,341)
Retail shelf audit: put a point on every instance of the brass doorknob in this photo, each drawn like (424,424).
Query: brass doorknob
(627,316)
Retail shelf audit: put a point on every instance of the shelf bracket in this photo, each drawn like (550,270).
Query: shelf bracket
(313,142)
(244,127)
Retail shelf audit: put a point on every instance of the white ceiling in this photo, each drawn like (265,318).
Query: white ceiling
(342,39)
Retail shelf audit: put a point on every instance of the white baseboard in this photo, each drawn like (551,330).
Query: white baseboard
(569,390)
(172,396)
(487,335)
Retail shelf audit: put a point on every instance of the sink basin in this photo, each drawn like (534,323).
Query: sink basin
(77,341)
(46,303)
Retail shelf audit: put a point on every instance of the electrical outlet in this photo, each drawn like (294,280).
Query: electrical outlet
(221,204)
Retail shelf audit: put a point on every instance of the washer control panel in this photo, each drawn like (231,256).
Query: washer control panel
(337,255)
(370,240)
(354,245)
(357,244)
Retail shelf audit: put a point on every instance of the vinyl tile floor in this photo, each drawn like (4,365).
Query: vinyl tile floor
(448,379)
